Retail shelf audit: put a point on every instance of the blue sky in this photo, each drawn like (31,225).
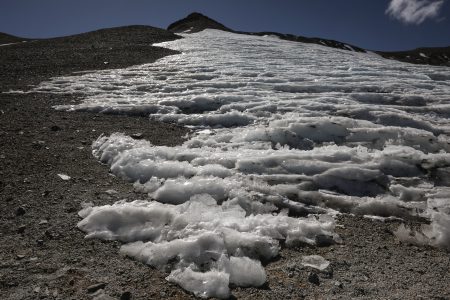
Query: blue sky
(366,23)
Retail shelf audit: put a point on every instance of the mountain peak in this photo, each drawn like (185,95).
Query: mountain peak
(196,22)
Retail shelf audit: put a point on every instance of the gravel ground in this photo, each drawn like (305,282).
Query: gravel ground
(44,255)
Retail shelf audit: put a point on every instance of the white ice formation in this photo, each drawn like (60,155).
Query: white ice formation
(315,261)
(285,135)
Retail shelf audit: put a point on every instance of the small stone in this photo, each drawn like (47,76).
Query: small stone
(40,242)
(20,211)
(323,240)
(315,261)
(111,192)
(162,294)
(95,287)
(55,128)
(21,229)
(125,296)
(338,284)
(38,144)
(43,222)
(64,177)
(20,256)
(313,278)
(137,136)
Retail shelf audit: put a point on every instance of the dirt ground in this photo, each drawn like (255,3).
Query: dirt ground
(44,255)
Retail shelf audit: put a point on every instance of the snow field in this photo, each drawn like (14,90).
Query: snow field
(205,245)
(285,135)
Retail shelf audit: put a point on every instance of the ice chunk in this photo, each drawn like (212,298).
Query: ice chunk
(315,261)
(243,270)
(64,177)
(435,234)
(205,285)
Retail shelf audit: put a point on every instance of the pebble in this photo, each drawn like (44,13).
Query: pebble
(137,136)
(95,287)
(313,278)
(21,229)
(323,240)
(64,177)
(38,144)
(125,296)
(338,284)
(20,211)
(111,192)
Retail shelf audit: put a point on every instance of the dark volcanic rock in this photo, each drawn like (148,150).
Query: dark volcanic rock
(439,56)
(196,22)
(302,39)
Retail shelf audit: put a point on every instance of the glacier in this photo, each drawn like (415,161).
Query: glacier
(285,135)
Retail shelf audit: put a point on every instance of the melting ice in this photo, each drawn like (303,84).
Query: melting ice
(285,135)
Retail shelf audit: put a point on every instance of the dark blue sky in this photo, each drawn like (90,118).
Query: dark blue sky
(359,22)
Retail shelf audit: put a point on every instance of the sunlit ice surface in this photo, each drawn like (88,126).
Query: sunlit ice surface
(285,136)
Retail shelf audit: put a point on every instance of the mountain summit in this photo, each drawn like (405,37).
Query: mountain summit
(196,22)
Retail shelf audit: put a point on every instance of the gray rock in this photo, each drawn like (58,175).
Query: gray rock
(21,229)
(137,136)
(323,240)
(20,211)
(95,287)
(313,278)
(338,284)
(125,296)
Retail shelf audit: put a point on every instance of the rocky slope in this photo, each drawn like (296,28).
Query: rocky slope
(8,39)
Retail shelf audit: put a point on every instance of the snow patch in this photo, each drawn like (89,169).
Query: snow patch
(286,135)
